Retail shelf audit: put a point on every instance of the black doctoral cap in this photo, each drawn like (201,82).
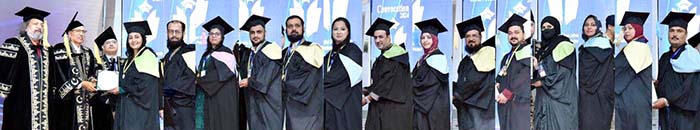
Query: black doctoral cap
(254,20)
(219,23)
(514,20)
(379,24)
(634,17)
(31,13)
(432,26)
(674,19)
(471,24)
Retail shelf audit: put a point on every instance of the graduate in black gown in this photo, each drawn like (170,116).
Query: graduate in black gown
(103,102)
(473,91)
(596,97)
(430,81)
(264,99)
(342,80)
(178,79)
(302,79)
(139,85)
(390,95)
(694,42)
(25,58)
(77,67)
(242,54)
(513,80)
(555,80)
(678,82)
(217,84)
(633,76)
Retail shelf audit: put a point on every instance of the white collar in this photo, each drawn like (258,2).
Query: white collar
(76,48)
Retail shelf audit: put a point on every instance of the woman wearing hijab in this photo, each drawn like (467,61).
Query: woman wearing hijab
(342,86)
(430,81)
(216,101)
(596,97)
(633,76)
(555,80)
(137,107)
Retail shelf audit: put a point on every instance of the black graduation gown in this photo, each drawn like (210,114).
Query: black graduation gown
(26,103)
(432,95)
(103,103)
(219,90)
(391,81)
(243,55)
(73,102)
(265,93)
(303,85)
(138,104)
(515,113)
(343,105)
(473,96)
(558,96)
(178,89)
(681,94)
(596,93)
(632,95)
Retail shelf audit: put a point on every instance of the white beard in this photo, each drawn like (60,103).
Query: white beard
(35,36)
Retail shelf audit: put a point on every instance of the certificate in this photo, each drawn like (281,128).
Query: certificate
(107,80)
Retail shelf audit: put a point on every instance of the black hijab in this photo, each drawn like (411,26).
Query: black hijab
(336,47)
(550,37)
(597,28)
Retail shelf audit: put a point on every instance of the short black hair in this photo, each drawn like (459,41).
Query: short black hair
(294,17)
(177,21)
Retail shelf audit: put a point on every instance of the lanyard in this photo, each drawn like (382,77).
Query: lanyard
(290,54)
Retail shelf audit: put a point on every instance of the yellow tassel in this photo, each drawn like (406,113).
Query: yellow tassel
(66,44)
(96,54)
(45,38)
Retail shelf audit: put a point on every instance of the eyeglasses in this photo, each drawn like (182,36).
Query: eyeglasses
(79,31)
(215,34)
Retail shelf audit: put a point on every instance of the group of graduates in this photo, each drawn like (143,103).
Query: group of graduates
(298,87)
(583,91)
(68,85)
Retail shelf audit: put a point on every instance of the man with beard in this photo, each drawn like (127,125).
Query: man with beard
(678,79)
(556,102)
(24,83)
(473,91)
(513,80)
(390,94)
(77,67)
(262,68)
(178,79)
(302,78)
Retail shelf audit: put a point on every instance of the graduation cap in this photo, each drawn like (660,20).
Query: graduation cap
(674,19)
(139,27)
(73,24)
(432,26)
(219,23)
(106,35)
(471,24)
(514,20)
(634,17)
(31,13)
(253,21)
(695,40)
(610,20)
(490,42)
(379,24)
